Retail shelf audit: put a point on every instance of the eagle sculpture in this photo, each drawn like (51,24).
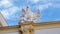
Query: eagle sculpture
(28,15)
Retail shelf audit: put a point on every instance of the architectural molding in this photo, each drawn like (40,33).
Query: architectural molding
(3,21)
(30,27)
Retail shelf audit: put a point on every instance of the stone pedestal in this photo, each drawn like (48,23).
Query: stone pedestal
(27,27)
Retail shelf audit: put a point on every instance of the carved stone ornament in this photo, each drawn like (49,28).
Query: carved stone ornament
(28,15)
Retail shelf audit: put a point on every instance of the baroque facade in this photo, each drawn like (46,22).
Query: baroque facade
(28,26)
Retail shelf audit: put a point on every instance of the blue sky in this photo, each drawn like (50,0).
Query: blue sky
(11,9)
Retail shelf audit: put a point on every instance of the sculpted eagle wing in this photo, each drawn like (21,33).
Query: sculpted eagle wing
(38,13)
(37,16)
(22,17)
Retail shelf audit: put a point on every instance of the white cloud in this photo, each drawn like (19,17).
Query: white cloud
(5,3)
(46,3)
(44,6)
(5,13)
(41,7)
(11,10)
(34,1)
(8,13)
(56,5)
